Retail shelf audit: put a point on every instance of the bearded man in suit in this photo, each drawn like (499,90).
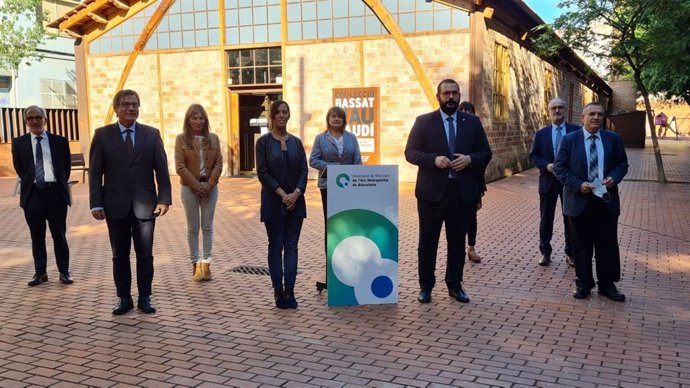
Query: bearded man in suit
(452,151)
(129,186)
(42,162)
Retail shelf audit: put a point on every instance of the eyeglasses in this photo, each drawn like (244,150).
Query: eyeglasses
(557,107)
(127,105)
(33,118)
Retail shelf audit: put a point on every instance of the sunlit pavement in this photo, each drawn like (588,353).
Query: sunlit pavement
(521,328)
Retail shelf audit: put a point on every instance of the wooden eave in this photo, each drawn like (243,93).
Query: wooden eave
(92,15)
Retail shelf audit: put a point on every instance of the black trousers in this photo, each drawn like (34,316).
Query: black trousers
(595,230)
(455,214)
(547,211)
(324,202)
(47,205)
(122,233)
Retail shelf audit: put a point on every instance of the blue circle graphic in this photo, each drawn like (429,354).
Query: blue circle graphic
(381,286)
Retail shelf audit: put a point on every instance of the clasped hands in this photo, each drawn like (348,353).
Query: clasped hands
(459,163)
(203,190)
(290,200)
(588,187)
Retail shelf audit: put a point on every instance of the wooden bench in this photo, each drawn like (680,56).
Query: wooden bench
(79,164)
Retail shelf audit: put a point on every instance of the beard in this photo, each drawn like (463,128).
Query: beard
(449,107)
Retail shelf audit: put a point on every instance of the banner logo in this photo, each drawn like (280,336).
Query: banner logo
(342,180)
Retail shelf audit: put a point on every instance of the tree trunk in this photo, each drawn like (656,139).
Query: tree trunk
(661,175)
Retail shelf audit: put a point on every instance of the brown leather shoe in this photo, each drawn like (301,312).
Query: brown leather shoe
(198,275)
(473,256)
(205,271)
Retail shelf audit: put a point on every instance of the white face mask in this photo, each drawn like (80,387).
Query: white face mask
(601,191)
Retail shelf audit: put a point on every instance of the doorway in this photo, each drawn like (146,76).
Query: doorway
(253,122)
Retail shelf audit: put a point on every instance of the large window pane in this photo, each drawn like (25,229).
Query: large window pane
(213,20)
(274,14)
(275,55)
(248,76)
(231,18)
(340,28)
(175,22)
(245,16)
(260,34)
(356,8)
(262,75)
(357,26)
(309,11)
(308,30)
(325,28)
(373,26)
(294,13)
(234,75)
(407,22)
(391,5)
(425,21)
(164,41)
(261,57)
(406,6)
(201,38)
(246,58)
(246,35)
(213,37)
(176,40)
(188,39)
(442,19)
(200,21)
(324,9)
(234,58)
(275,72)
(274,33)
(232,36)
(188,21)
(260,15)
(294,31)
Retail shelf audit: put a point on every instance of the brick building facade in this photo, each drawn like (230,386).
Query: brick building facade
(404,48)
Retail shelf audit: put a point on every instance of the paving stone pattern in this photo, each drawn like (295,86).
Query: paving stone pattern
(521,329)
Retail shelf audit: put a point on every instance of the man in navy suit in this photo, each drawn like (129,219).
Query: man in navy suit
(452,151)
(122,186)
(42,162)
(591,163)
(543,154)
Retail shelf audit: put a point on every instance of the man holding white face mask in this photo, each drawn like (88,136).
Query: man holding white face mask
(591,163)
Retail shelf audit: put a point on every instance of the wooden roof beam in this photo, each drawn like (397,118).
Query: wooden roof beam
(83,14)
(98,18)
(119,4)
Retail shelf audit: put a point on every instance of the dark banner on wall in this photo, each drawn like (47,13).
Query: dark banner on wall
(362,108)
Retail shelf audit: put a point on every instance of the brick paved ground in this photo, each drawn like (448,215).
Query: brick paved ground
(521,329)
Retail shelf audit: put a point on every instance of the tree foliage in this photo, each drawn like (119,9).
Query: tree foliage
(21,31)
(668,35)
(627,36)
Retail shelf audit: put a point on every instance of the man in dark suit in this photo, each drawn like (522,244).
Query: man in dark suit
(42,162)
(591,163)
(123,159)
(452,151)
(543,154)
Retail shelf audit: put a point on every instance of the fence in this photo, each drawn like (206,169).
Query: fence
(61,122)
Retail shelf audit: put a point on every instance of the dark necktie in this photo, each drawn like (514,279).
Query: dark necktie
(128,143)
(451,135)
(39,173)
(559,134)
(593,159)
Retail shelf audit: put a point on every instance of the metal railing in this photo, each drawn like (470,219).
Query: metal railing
(61,122)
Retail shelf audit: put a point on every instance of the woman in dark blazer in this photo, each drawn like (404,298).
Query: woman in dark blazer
(281,165)
(334,146)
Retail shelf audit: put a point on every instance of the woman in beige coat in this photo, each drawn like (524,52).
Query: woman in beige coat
(198,162)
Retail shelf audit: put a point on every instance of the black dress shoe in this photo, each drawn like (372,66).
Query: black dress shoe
(612,293)
(545,260)
(66,278)
(38,279)
(570,260)
(581,293)
(123,305)
(144,304)
(424,297)
(459,295)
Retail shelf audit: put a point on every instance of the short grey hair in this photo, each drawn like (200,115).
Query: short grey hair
(36,108)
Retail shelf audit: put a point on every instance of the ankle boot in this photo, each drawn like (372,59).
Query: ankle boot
(205,271)
(290,300)
(198,275)
(279,298)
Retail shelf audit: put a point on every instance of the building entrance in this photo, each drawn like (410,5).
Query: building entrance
(253,122)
